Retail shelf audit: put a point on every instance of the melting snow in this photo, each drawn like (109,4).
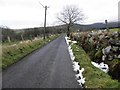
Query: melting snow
(81,81)
(101,66)
(79,75)
(76,66)
(74,41)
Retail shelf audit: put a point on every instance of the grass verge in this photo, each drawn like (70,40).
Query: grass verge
(12,54)
(95,78)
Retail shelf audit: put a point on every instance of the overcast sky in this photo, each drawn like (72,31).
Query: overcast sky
(29,13)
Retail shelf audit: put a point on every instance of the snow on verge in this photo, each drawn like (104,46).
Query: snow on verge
(76,67)
(101,66)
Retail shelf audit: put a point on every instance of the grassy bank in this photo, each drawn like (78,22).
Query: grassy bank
(95,78)
(13,53)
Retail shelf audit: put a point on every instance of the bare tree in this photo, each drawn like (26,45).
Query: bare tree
(69,16)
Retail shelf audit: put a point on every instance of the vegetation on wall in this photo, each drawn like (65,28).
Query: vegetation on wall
(102,46)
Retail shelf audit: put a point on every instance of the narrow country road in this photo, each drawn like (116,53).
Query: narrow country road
(48,67)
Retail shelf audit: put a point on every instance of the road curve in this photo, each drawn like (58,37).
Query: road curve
(48,67)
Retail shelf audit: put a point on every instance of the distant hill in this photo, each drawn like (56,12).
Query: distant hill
(96,26)
(102,25)
(81,27)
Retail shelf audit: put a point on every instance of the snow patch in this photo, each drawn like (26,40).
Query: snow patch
(76,67)
(101,66)
(74,42)
(81,81)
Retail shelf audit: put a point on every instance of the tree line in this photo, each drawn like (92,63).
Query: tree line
(10,35)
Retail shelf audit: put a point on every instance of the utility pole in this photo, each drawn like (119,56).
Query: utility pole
(45,21)
(45,18)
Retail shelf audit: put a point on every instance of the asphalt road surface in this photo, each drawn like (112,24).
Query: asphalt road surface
(48,67)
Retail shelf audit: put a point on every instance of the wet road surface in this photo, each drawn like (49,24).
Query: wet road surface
(48,67)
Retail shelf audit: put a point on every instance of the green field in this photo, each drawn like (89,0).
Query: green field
(115,29)
(11,53)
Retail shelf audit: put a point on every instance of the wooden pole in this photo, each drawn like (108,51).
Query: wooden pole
(45,21)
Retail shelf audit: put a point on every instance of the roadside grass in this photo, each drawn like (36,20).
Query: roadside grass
(0,56)
(10,43)
(95,78)
(12,54)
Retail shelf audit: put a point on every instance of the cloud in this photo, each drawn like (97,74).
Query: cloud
(30,10)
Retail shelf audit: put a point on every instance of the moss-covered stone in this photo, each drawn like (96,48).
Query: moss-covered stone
(114,68)
(98,54)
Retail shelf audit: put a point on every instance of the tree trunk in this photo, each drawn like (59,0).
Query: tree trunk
(68,30)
